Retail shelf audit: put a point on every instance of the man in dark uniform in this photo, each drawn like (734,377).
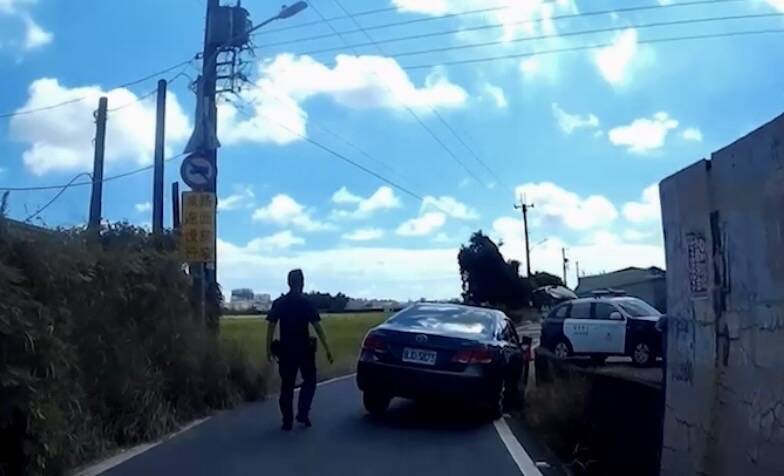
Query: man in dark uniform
(296,350)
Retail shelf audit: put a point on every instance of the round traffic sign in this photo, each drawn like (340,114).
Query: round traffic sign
(197,171)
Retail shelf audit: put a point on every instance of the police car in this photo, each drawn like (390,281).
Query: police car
(604,326)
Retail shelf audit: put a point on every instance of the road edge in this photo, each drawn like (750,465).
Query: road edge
(96,468)
(522,459)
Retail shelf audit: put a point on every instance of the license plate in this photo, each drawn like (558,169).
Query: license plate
(419,356)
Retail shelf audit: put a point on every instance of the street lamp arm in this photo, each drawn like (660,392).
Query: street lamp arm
(285,12)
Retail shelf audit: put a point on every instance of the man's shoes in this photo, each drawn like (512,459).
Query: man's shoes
(305,421)
(287,426)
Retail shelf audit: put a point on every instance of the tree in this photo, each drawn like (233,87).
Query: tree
(542,278)
(487,278)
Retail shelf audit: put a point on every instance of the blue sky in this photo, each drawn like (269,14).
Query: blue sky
(584,135)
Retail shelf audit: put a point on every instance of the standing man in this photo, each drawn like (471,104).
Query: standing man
(296,350)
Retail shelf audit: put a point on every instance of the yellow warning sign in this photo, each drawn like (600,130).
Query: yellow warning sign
(198,226)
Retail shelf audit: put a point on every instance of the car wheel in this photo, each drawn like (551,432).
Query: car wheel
(562,349)
(495,406)
(642,354)
(375,403)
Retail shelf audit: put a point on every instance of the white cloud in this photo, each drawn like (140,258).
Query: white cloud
(615,61)
(636,235)
(557,206)
(279,241)
(442,238)
(496,93)
(666,2)
(357,82)
(644,135)
(692,133)
(61,139)
(364,234)
(11,6)
(422,225)
(428,7)
(529,67)
(647,210)
(777,4)
(396,273)
(570,122)
(143,207)
(285,211)
(243,197)
(450,206)
(383,198)
(602,251)
(35,36)
(344,196)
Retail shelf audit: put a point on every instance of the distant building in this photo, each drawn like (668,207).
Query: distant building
(244,300)
(372,305)
(648,284)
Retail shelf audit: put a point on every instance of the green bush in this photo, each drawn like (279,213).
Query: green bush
(100,347)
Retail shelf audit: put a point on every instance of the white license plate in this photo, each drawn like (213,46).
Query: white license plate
(419,356)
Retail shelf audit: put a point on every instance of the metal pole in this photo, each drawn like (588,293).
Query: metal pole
(100,144)
(175,191)
(160,138)
(563,256)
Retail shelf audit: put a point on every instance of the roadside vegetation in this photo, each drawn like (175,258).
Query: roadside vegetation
(344,331)
(99,348)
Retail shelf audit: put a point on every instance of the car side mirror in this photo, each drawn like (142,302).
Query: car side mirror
(616,316)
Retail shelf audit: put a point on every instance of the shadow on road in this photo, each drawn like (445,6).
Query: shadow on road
(438,416)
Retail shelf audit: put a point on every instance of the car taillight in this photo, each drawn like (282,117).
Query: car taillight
(374,342)
(474,356)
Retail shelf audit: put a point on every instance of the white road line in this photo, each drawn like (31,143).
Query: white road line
(521,458)
(116,460)
(111,462)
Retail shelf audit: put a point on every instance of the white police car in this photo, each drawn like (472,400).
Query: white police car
(603,326)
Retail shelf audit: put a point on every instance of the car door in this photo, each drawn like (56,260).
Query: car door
(513,354)
(577,327)
(552,327)
(609,329)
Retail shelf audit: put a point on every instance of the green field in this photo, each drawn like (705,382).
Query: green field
(344,333)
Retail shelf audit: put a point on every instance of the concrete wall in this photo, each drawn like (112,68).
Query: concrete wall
(724,237)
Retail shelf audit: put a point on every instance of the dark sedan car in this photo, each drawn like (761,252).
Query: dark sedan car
(448,351)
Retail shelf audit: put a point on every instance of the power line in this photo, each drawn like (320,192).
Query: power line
(148,94)
(691,21)
(23,112)
(491,26)
(591,47)
(79,184)
(432,108)
(55,197)
(336,154)
(319,22)
(407,107)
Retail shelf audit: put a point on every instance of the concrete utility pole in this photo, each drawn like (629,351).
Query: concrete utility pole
(565,264)
(577,271)
(209,75)
(524,207)
(160,139)
(100,144)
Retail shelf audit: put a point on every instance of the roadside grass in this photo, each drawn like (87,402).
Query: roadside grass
(344,333)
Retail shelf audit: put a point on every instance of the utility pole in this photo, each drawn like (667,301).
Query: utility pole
(175,195)
(100,143)
(565,264)
(524,207)
(577,271)
(160,139)
(209,78)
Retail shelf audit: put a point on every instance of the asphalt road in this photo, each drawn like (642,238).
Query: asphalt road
(410,440)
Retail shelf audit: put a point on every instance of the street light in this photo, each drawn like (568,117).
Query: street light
(285,12)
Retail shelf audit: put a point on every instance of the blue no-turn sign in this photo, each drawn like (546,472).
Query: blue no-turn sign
(197,171)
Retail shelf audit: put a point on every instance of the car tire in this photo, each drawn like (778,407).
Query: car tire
(495,405)
(562,349)
(375,403)
(642,354)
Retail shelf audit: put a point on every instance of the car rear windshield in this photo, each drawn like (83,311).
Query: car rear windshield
(637,307)
(446,319)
